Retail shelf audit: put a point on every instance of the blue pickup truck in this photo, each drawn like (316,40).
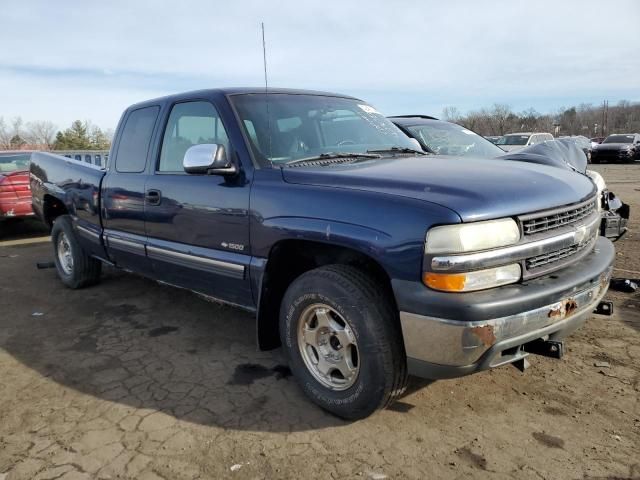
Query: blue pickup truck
(365,259)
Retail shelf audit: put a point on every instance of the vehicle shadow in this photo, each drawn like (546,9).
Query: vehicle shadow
(135,342)
(21,228)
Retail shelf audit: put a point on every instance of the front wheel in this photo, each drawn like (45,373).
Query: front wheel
(75,268)
(343,341)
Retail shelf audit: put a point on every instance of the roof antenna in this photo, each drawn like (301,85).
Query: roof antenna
(266,87)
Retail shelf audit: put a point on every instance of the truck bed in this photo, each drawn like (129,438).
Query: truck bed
(59,182)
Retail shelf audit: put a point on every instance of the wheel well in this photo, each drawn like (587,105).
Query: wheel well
(288,260)
(52,209)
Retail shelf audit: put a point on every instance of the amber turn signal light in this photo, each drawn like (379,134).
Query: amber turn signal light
(448,282)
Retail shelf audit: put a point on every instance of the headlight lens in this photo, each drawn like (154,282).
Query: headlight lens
(470,281)
(471,237)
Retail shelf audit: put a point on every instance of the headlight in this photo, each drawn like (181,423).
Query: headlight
(470,281)
(471,237)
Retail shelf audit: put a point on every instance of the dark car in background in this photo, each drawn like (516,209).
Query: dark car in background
(445,138)
(15,195)
(596,141)
(624,148)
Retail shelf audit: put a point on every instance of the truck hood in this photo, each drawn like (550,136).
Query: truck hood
(475,189)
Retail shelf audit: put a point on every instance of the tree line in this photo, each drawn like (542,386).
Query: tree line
(585,119)
(16,134)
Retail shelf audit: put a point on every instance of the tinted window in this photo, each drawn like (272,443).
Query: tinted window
(87,158)
(191,123)
(134,143)
(619,139)
(78,157)
(513,140)
(14,162)
(98,160)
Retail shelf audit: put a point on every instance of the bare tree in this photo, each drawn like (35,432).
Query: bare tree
(5,135)
(451,114)
(41,132)
(16,127)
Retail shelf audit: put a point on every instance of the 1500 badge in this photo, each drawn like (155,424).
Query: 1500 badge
(233,246)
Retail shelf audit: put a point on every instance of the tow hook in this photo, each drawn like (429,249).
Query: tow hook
(546,348)
(604,308)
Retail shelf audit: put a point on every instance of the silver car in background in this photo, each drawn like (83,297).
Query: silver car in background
(517,141)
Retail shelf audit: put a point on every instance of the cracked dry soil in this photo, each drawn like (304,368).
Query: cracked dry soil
(131,379)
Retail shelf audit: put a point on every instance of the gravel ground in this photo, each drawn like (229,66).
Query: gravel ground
(131,379)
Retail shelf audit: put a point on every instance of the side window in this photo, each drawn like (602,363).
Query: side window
(189,124)
(87,158)
(98,160)
(134,143)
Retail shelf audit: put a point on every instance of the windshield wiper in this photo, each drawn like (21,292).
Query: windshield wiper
(398,150)
(332,156)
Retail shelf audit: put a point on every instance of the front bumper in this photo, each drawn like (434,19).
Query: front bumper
(482,330)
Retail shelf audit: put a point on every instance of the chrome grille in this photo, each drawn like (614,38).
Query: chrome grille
(551,220)
(551,257)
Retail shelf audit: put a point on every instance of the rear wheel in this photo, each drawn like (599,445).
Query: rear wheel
(75,268)
(343,341)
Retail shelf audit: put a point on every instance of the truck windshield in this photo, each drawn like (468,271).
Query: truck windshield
(445,138)
(287,127)
(14,162)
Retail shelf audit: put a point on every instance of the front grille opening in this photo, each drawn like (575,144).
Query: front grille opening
(546,258)
(544,223)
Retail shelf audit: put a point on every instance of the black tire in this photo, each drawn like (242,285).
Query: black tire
(84,270)
(372,318)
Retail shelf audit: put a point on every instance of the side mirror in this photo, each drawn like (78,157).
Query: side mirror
(208,158)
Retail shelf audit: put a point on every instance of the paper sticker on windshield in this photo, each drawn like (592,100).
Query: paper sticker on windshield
(468,132)
(369,109)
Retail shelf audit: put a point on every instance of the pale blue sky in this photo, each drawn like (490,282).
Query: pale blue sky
(81,59)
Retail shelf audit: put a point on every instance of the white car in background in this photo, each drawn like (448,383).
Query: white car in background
(517,141)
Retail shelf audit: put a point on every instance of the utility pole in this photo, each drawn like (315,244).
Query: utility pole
(605,117)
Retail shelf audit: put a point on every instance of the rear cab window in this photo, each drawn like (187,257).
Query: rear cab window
(131,156)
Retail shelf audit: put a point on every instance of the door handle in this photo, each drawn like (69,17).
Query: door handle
(153,197)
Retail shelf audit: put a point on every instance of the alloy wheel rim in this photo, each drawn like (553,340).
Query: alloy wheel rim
(65,257)
(328,347)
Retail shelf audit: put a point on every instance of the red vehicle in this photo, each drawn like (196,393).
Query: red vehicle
(15,194)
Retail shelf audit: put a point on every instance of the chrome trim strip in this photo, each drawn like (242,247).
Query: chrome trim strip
(125,245)
(123,242)
(516,253)
(87,232)
(459,343)
(192,260)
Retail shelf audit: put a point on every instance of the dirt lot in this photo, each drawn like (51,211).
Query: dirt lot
(131,379)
